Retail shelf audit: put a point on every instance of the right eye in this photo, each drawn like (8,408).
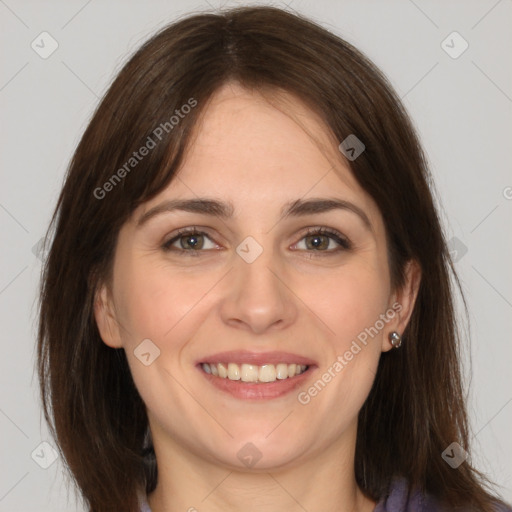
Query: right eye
(189,240)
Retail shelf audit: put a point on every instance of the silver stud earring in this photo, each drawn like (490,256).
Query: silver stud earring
(395,339)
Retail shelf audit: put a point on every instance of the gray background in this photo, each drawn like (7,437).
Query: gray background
(461,106)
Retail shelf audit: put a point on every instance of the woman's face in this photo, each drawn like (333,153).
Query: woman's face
(274,259)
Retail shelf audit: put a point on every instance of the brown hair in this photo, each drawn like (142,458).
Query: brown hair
(416,407)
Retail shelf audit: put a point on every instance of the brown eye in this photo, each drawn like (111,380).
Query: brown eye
(323,240)
(317,242)
(190,241)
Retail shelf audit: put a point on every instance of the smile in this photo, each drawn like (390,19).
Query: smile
(254,373)
(251,375)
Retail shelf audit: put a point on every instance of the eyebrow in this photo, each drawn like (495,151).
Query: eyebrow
(297,208)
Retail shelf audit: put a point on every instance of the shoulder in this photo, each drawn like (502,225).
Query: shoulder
(399,499)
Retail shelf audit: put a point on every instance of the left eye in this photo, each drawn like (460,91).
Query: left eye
(322,241)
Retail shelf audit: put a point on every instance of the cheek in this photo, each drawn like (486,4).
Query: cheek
(153,301)
(351,300)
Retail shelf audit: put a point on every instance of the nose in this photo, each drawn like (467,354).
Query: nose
(258,299)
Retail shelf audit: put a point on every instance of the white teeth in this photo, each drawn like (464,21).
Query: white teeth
(223,371)
(249,373)
(267,373)
(253,373)
(282,371)
(233,371)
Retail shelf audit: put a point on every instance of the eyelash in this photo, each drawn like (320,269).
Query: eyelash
(344,243)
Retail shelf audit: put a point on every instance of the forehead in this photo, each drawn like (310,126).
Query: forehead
(245,134)
(257,150)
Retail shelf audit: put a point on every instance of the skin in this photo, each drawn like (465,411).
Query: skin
(293,297)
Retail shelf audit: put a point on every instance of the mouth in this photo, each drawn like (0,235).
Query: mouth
(254,373)
(246,375)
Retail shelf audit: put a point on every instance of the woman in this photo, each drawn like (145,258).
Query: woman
(247,301)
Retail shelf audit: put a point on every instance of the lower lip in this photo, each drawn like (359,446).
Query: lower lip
(257,391)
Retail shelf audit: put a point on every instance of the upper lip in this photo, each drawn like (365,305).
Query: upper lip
(256,358)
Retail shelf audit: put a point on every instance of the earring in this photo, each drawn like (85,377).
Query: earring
(395,339)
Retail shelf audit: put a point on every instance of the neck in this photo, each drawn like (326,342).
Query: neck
(324,482)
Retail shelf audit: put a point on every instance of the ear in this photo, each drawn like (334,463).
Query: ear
(106,321)
(402,302)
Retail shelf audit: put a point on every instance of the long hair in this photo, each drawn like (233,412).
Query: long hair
(416,407)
